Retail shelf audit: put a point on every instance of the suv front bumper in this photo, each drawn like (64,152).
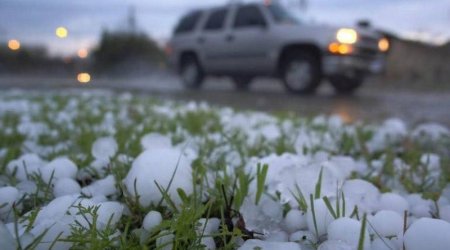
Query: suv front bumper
(351,65)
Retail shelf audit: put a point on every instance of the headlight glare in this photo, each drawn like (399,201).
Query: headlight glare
(347,36)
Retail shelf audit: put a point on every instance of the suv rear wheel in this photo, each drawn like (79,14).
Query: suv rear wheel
(301,72)
(242,83)
(345,84)
(191,73)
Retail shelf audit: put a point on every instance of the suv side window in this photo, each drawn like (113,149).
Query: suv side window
(249,16)
(188,22)
(216,19)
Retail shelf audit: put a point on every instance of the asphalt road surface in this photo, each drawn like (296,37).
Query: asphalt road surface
(371,103)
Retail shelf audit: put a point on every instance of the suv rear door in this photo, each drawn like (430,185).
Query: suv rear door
(212,41)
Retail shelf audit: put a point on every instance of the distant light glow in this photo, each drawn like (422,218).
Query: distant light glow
(13,44)
(347,36)
(345,110)
(67,59)
(61,32)
(383,45)
(82,53)
(84,78)
(168,49)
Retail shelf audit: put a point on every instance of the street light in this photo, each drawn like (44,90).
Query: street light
(84,78)
(61,32)
(82,53)
(13,44)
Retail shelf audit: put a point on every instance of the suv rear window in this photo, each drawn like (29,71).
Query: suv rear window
(188,22)
(249,16)
(216,19)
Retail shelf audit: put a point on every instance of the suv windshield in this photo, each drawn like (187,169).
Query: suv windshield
(281,15)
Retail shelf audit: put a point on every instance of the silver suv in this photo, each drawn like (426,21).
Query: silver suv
(244,41)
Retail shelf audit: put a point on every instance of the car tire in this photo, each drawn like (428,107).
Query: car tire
(242,83)
(346,85)
(191,73)
(301,72)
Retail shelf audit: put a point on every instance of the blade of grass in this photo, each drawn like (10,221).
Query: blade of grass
(405,226)
(330,208)
(343,204)
(166,197)
(338,201)
(171,179)
(355,213)
(318,185)
(311,199)
(362,235)
(261,174)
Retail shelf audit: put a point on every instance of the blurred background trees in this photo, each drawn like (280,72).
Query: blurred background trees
(125,52)
(33,60)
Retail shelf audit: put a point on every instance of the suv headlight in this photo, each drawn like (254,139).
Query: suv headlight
(347,36)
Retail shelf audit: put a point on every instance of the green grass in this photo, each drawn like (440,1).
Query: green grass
(78,120)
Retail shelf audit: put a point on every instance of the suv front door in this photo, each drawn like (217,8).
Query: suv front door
(247,40)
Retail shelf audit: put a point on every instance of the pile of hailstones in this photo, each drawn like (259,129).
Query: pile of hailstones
(387,228)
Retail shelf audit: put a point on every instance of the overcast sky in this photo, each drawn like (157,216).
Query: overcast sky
(34,21)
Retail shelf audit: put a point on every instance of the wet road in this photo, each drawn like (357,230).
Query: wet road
(371,103)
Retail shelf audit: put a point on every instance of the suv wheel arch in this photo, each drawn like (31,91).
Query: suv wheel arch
(184,55)
(300,68)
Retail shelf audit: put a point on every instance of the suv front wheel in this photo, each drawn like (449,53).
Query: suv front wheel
(345,84)
(191,73)
(300,72)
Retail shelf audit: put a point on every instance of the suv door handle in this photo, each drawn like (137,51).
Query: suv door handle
(229,38)
(201,40)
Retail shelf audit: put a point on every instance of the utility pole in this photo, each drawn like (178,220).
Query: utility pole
(132,27)
(304,5)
